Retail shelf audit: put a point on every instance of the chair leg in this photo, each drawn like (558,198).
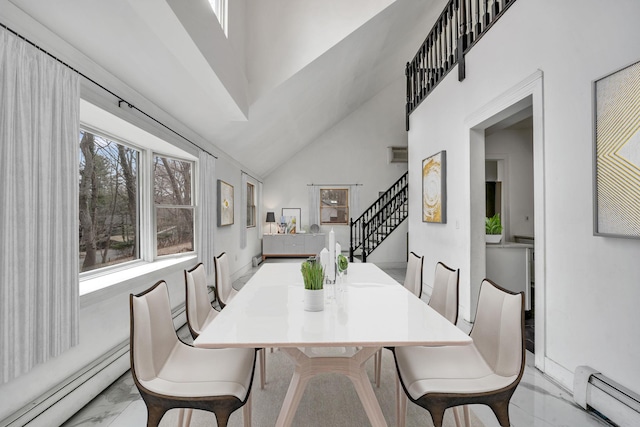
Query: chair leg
(184,417)
(467,416)
(378,367)
(263,367)
(154,415)
(456,416)
(401,405)
(501,410)
(246,412)
(437,415)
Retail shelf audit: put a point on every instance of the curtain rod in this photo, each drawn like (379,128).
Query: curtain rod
(248,174)
(335,185)
(120,99)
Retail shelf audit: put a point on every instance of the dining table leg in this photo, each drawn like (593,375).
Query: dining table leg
(352,366)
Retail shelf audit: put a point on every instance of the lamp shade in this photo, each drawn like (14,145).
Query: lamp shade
(271,217)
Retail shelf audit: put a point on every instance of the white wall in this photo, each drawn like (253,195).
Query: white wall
(516,148)
(352,152)
(227,238)
(591,290)
(104,315)
(283,36)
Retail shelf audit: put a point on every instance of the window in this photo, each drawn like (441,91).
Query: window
(108,196)
(173,205)
(251,205)
(220,9)
(334,206)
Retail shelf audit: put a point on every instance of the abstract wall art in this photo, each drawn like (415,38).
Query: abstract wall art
(617,153)
(434,188)
(225,203)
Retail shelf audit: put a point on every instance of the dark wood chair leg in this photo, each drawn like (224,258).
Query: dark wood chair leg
(154,415)
(437,414)
(222,417)
(501,410)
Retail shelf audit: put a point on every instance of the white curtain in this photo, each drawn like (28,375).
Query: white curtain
(207,217)
(243,212)
(261,219)
(314,204)
(39,258)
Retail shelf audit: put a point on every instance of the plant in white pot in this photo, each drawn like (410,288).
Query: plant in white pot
(313,277)
(493,229)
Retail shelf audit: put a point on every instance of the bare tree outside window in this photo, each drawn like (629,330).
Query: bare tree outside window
(174,205)
(334,206)
(108,209)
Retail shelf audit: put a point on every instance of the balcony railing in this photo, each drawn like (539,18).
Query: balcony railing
(457,29)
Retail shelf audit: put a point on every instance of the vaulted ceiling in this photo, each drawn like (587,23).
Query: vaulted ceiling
(274,89)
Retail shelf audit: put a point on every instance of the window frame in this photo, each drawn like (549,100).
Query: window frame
(251,205)
(221,10)
(99,271)
(154,206)
(346,206)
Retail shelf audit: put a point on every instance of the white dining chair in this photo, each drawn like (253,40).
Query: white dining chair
(224,289)
(413,282)
(200,312)
(171,374)
(484,372)
(444,296)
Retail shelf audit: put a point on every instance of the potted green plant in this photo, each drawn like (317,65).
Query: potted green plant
(313,278)
(493,229)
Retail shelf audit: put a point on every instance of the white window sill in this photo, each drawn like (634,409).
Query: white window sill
(107,285)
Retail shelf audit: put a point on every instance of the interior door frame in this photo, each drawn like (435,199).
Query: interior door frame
(527,93)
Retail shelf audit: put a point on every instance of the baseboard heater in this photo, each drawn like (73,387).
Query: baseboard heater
(591,389)
(256,260)
(59,403)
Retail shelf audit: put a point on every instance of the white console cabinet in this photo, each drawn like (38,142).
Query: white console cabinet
(292,245)
(509,265)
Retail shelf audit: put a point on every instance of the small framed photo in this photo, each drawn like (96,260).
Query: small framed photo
(434,188)
(291,220)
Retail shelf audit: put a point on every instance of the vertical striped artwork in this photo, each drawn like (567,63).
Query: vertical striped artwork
(617,146)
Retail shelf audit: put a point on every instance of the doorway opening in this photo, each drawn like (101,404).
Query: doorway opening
(501,134)
(509,192)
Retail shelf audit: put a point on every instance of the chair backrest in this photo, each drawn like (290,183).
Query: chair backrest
(223,278)
(152,336)
(444,297)
(498,331)
(197,302)
(413,278)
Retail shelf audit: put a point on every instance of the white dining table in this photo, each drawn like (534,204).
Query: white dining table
(373,311)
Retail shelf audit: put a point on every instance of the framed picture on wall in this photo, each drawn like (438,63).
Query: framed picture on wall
(617,153)
(225,203)
(434,188)
(291,218)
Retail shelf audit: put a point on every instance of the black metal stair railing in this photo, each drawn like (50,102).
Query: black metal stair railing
(457,29)
(380,219)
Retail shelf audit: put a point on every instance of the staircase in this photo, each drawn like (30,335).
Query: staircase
(379,220)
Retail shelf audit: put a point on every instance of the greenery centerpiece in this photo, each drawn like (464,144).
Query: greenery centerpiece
(342,264)
(493,229)
(313,277)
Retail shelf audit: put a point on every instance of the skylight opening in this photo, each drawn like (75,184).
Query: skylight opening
(220,9)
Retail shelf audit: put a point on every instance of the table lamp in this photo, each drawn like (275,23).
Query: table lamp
(271,218)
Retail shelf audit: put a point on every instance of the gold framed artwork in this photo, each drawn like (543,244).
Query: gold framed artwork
(617,153)
(434,188)
(225,203)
